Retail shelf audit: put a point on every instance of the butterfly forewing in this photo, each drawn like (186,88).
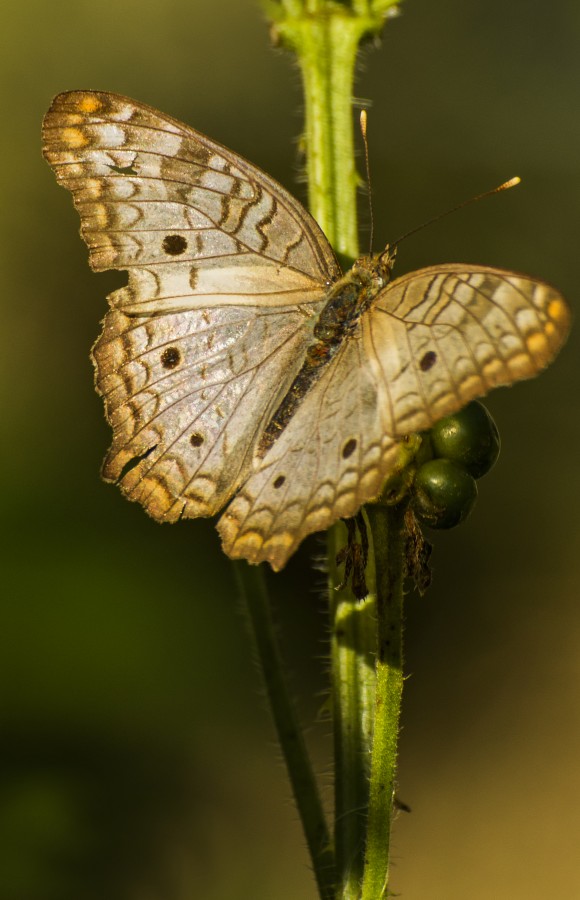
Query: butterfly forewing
(202,362)
(152,190)
(441,336)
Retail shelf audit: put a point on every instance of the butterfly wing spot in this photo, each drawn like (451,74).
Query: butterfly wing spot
(428,361)
(279,481)
(349,448)
(558,311)
(174,244)
(170,358)
(193,279)
(196,439)
(537,344)
(90,103)
(74,138)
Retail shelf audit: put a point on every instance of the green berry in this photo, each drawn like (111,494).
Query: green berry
(469,438)
(443,493)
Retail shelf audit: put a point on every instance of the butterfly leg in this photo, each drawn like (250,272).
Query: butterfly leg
(355,557)
(418,552)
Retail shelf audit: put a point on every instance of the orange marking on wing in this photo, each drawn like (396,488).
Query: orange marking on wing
(90,103)
(74,138)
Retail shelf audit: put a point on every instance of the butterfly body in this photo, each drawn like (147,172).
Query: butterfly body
(239,368)
(345,302)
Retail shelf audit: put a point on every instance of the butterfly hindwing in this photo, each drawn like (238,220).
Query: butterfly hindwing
(187,395)
(330,459)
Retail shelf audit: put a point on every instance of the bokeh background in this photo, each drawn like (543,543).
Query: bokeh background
(137,761)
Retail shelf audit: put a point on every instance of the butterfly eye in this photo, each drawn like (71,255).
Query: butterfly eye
(428,361)
(196,439)
(349,448)
(279,481)
(174,244)
(170,358)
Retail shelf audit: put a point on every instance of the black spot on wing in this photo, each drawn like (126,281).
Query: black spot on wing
(349,448)
(170,358)
(174,244)
(428,361)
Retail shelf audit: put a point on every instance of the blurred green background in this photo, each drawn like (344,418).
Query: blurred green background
(137,761)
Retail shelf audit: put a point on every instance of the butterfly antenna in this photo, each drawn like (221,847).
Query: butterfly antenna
(496,190)
(363,131)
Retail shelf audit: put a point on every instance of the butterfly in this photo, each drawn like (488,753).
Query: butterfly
(239,367)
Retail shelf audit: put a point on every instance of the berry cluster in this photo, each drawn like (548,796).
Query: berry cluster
(457,450)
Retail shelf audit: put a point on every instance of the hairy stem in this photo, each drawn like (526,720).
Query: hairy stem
(353,641)
(388,536)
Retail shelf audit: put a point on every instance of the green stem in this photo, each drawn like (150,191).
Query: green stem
(253,590)
(388,535)
(353,641)
(328,53)
(325,36)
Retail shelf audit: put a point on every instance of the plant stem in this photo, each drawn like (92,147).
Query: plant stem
(253,590)
(388,535)
(325,37)
(366,684)
(353,642)
(328,52)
